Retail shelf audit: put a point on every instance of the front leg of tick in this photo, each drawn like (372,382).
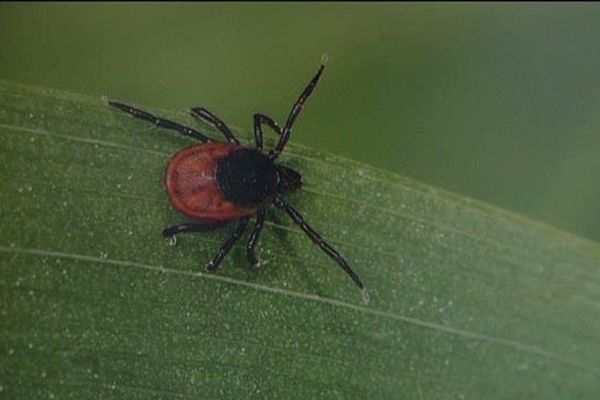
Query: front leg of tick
(215,263)
(260,119)
(160,122)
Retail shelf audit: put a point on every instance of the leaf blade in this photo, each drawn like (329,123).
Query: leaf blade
(466,299)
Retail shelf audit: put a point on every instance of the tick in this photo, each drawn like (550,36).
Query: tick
(217,183)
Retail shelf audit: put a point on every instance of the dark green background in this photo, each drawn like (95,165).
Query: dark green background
(498,102)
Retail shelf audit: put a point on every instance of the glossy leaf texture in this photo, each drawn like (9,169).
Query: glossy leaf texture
(466,301)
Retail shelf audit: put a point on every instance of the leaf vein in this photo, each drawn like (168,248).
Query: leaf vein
(514,344)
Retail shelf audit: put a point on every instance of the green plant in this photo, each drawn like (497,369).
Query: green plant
(467,301)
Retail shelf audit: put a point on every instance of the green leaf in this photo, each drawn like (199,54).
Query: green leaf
(467,301)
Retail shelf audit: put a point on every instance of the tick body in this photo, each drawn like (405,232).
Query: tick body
(192,182)
(216,183)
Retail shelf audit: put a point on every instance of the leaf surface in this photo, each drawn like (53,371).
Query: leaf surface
(467,301)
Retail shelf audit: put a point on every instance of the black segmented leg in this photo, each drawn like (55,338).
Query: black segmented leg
(187,227)
(171,232)
(160,122)
(317,239)
(235,236)
(258,226)
(204,115)
(260,119)
(296,108)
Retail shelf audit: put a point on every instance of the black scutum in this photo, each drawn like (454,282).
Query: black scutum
(246,177)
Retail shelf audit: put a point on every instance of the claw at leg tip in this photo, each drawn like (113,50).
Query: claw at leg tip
(365,296)
(209,267)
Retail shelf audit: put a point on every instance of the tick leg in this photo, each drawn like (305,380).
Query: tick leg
(204,115)
(190,227)
(258,226)
(160,122)
(296,108)
(318,240)
(235,236)
(260,119)
(171,232)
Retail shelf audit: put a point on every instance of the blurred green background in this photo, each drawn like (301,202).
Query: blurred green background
(500,102)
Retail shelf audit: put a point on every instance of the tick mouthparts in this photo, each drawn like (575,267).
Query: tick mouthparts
(287,179)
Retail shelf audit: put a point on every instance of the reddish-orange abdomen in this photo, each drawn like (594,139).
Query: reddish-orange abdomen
(191,181)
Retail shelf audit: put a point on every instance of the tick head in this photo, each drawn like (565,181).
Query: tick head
(288,180)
